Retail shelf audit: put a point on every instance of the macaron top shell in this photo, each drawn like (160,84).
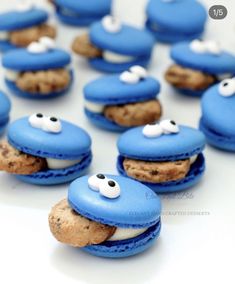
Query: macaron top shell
(111,90)
(218,111)
(177,15)
(182,54)
(5,105)
(23,60)
(188,142)
(16,20)
(136,207)
(71,143)
(94,7)
(128,41)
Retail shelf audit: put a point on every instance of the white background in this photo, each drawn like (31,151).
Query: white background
(197,239)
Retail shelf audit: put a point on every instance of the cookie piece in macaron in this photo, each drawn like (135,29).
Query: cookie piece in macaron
(198,65)
(218,119)
(173,21)
(114,47)
(39,71)
(108,216)
(167,158)
(81,13)
(45,150)
(5,107)
(119,102)
(22,25)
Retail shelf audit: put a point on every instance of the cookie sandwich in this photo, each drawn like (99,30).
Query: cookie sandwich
(45,150)
(108,216)
(39,71)
(119,102)
(164,156)
(198,65)
(114,47)
(5,107)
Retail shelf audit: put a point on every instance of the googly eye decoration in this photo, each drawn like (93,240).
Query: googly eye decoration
(227,87)
(106,187)
(43,45)
(134,75)
(164,127)
(48,42)
(47,124)
(203,47)
(111,24)
(24,6)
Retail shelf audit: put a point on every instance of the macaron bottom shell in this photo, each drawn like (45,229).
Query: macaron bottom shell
(216,139)
(193,177)
(126,248)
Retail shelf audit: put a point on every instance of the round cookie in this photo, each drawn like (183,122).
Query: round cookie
(5,107)
(40,71)
(81,13)
(23,25)
(119,46)
(117,103)
(167,157)
(50,151)
(218,121)
(198,65)
(108,216)
(173,21)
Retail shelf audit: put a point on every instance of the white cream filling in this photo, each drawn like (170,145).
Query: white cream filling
(55,164)
(193,159)
(4,35)
(93,107)
(125,234)
(116,58)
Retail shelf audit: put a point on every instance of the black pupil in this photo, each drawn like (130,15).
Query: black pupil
(111,183)
(53,119)
(225,84)
(173,122)
(39,115)
(100,176)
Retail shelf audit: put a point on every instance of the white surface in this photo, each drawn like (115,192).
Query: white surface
(197,239)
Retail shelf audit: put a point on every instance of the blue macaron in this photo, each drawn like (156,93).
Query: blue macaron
(218,120)
(5,107)
(121,45)
(82,13)
(128,88)
(35,58)
(65,147)
(121,202)
(173,21)
(21,17)
(162,143)
(207,59)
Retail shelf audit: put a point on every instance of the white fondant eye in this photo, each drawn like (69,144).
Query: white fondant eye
(110,189)
(152,130)
(111,24)
(36,120)
(24,6)
(213,47)
(95,181)
(198,46)
(129,78)
(48,42)
(36,47)
(140,71)
(227,87)
(52,124)
(169,126)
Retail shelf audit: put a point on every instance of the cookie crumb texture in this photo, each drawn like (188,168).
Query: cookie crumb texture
(185,78)
(24,37)
(135,114)
(156,172)
(82,46)
(44,82)
(16,162)
(73,229)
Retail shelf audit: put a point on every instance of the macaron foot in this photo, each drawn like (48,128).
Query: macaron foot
(156,172)
(134,114)
(24,37)
(70,228)
(82,46)
(185,78)
(16,162)
(44,82)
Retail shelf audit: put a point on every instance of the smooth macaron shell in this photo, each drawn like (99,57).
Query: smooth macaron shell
(5,106)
